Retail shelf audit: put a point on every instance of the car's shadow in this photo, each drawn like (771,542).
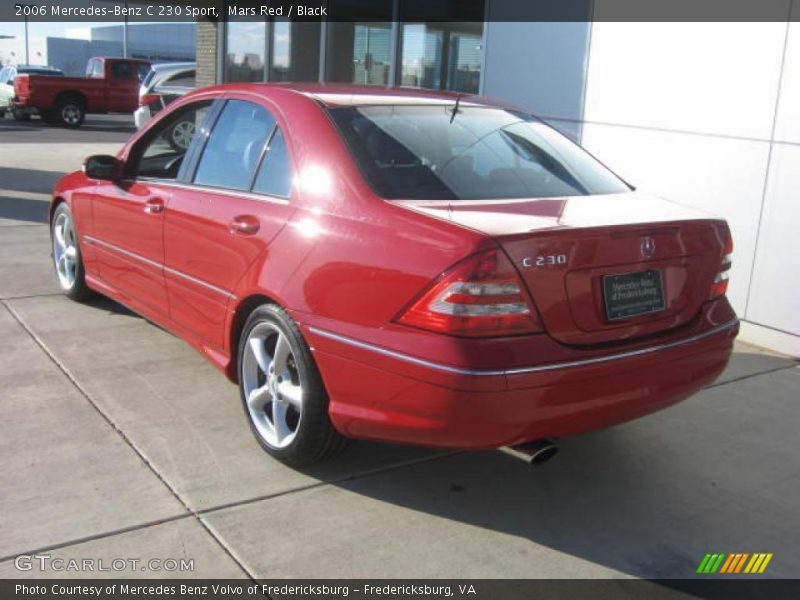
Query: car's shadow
(646,499)
(38,181)
(90,125)
(18,209)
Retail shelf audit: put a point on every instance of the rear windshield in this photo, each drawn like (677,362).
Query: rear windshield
(427,153)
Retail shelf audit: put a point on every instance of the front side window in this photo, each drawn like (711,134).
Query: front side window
(478,153)
(235,146)
(161,153)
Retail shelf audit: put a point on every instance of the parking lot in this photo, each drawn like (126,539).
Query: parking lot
(117,440)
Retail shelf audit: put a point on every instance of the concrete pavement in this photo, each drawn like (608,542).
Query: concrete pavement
(117,440)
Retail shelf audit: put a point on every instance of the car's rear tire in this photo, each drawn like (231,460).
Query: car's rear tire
(67,260)
(282,391)
(21,115)
(70,112)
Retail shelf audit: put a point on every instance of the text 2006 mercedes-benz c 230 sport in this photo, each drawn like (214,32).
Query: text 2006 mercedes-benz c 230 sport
(399,265)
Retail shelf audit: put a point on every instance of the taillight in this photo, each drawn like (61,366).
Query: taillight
(482,296)
(147,99)
(721,279)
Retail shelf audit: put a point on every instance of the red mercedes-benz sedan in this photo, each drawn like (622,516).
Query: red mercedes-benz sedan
(399,265)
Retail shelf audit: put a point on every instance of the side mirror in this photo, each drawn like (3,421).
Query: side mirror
(102,166)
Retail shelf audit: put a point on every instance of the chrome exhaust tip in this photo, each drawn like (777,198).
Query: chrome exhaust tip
(534,453)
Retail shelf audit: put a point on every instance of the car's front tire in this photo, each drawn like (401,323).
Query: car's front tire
(67,258)
(282,391)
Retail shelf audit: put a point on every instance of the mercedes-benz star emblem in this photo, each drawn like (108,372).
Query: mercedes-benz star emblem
(648,247)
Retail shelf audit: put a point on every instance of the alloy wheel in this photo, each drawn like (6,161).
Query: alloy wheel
(272,386)
(71,114)
(65,251)
(182,134)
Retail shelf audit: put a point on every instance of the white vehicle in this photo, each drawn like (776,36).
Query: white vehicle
(164,83)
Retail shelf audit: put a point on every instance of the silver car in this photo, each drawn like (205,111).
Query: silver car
(164,83)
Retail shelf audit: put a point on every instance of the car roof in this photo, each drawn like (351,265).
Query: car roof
(335,95)
(136,60)
(173,65)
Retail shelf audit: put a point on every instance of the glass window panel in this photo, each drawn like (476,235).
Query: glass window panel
(246,47)
(359,44)
(422,56)
(232,151)
(295,51)
(161,153)
(121,70)
(427,153)
(442,56)
(275,175)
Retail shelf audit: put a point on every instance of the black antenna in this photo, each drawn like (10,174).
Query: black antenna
(455,108)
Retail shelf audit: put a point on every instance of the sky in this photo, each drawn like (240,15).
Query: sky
(40,29)
(49,29)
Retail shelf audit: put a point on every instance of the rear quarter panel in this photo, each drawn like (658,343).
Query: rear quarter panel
(43,91)
(347,260)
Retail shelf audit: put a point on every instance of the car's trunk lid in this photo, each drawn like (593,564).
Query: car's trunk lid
(571,253)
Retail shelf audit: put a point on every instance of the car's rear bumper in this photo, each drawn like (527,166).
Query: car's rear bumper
(380,394)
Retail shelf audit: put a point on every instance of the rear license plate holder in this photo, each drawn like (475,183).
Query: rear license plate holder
(628,295)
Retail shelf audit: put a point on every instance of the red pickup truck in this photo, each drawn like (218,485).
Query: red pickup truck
(110,85)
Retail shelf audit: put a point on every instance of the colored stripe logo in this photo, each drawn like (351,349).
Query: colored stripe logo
(737,562)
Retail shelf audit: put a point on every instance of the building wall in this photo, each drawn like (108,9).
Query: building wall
(207,57)
(708,114)
(535,63)
(71,55)
(162,42)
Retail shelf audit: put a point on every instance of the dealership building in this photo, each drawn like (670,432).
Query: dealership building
(704,114)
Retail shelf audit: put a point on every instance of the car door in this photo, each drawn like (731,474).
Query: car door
(217,224)
(122,86)
(128,214)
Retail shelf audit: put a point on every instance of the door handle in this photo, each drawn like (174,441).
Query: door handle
(244,225)
(154,206)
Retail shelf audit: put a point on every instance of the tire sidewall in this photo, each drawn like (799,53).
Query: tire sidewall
(79,290)
(63,104)
(314,422)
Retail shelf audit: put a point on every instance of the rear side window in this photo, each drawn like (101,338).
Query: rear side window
(187,79)
(234,146)
(121,70)
(275,174)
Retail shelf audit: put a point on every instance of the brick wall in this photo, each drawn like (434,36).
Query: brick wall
(206,53)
